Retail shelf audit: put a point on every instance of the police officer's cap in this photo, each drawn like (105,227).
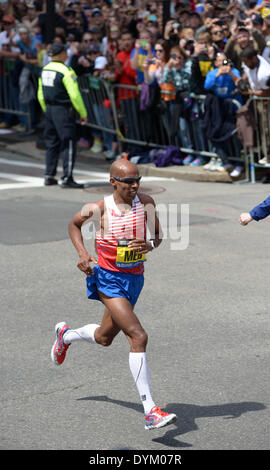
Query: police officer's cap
(56,48)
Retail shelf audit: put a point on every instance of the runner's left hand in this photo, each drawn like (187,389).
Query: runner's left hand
(140,245)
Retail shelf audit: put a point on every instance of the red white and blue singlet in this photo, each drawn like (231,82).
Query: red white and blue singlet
(119,228)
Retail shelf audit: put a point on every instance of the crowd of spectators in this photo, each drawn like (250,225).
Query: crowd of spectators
(196,47)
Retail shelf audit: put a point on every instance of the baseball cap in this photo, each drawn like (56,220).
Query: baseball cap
(96,12)
(56,48)
(100,63)
(69,11)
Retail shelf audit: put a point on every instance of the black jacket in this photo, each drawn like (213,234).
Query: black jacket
(219,120)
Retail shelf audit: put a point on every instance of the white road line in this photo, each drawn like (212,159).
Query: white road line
(95,174)
(22,181)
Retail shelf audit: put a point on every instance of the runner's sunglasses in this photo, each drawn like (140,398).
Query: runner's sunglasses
(136,179)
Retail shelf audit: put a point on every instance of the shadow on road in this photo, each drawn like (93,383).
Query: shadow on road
(187,415)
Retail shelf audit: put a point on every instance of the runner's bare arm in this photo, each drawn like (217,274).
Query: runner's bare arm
(89,211)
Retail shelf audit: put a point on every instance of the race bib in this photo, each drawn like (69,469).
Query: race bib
(126,258)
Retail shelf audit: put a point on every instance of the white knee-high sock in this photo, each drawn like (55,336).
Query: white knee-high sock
(85,333)
(139,369)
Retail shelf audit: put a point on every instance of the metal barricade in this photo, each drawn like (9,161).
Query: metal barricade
(10,93)
(101,107)
(160,124)
(260,107)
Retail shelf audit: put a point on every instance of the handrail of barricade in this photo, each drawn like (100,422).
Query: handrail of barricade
(260,107)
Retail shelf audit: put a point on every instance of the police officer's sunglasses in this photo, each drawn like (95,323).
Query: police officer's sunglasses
(136,179)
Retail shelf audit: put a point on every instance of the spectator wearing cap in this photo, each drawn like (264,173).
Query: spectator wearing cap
(71,28)
(58,94)
(28,45)
(242,37)
(109,42)
(97,21)
(8,36)
(83,61)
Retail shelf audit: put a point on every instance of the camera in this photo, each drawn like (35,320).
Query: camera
(176,26)
(242,86)
(225,62)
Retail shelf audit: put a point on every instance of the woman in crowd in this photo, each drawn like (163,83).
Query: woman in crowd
(178,72)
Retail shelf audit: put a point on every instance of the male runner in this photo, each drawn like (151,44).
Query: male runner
(117,278)
(257,213)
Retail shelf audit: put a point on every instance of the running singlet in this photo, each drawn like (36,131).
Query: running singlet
(119,229)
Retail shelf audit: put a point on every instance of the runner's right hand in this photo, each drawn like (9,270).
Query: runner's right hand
(84,264)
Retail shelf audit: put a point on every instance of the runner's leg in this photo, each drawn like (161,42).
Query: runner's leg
(125,319)
(102,334)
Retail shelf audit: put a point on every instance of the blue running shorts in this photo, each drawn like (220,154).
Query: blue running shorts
(114,284)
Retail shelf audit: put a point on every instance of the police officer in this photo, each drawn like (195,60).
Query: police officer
(59,96)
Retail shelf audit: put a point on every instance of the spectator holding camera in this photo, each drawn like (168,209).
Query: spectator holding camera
(222,82)
(223,79)
(177,71)
(243,35)
(82,62)
(172,32)
(143,50)
(202,61)
(187,40)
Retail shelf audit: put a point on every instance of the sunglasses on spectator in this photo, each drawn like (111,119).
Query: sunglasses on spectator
(218,32)
(136,179)
(88,40)
(175,56)
(158,50)
(7,23)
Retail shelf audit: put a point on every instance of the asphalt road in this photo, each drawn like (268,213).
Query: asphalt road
(205,308)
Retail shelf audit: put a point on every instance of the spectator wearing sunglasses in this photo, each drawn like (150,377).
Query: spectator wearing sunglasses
(218,39)
(83,61)
(8,35)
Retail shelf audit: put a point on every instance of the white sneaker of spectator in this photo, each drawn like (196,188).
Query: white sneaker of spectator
(211,164)
(220,165)
(263,161)
(97,146)
(236,172)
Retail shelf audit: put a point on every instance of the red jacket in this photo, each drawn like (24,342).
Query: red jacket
(128,75)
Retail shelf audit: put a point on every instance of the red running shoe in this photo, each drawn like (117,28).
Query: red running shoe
(59,349)
(157,418)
